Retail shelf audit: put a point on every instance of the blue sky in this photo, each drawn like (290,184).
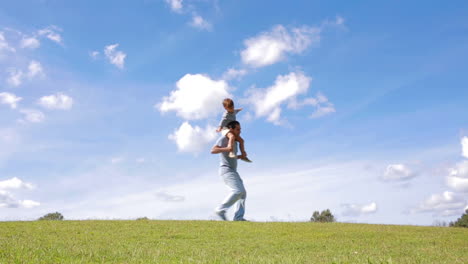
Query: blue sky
(108,109)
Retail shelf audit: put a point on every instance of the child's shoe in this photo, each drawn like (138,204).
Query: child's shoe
(232,155)
(246,160)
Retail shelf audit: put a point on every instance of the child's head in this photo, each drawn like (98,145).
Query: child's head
(228,104)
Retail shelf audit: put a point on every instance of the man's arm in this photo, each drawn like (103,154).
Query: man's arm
(217,149)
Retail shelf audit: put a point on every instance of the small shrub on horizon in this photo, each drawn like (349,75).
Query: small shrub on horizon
(52,216)
(324,217)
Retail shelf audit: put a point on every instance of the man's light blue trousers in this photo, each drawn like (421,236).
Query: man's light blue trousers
(237,193)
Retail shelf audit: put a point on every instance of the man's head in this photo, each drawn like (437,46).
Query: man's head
(228,104)
(234,127)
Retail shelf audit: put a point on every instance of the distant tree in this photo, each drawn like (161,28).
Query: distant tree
(324,216)
(462,221)
(52,216)
(440,223)
(142,218)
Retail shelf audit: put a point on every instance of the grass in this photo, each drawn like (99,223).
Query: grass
(227,242)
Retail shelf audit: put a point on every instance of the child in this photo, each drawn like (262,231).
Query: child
(230,115)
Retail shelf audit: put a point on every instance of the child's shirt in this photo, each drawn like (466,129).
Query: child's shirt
(228,117)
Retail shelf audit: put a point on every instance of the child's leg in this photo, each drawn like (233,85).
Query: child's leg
(232,141)
(241,145)
(242,149)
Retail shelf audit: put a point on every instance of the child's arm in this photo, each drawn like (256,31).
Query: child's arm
(238,110)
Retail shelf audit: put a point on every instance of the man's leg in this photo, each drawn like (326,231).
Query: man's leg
(237,191)
(240,208)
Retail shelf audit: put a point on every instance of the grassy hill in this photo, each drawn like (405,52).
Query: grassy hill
(227,242)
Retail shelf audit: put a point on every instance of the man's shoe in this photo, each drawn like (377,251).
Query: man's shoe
(221,214)
(242,220)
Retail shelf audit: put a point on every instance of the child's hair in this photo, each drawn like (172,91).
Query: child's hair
(228,103)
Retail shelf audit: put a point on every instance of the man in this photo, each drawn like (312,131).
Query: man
(228,170)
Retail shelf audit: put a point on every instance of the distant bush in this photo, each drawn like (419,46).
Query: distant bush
(142,219)
(462,221)
(323,217)
(52,216)
(439,223)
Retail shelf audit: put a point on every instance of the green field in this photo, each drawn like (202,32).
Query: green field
(227,242)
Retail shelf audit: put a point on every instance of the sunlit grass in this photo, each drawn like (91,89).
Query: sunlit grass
(227,242)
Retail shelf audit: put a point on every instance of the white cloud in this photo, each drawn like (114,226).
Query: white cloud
(56,101)
(464,143)
(16,77)
(6,198)
(9,99)
(166,197)
(339,20)
(8,137)
(114,56)
(30,43)
(196,97)
(15,183)
(458,184)
(234,74)
(321,104)
(460,170)
(445,204)
(356,210)
(458,177)
(33,116)
(94,54)
(200,23)
(323,111)
(193,139)
(270,47)
(8,201)
(4,44)
(29,203)
(176,5)
(116,160)
(267,102)
(51,33)
(398,172)
(35,69)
